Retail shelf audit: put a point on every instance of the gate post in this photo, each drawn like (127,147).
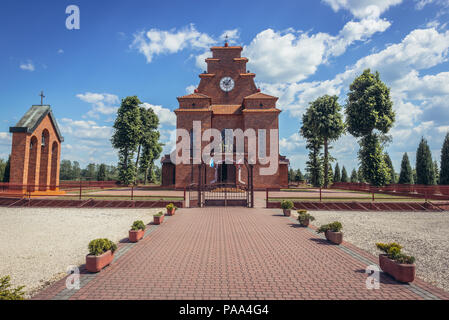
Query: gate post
(266,199)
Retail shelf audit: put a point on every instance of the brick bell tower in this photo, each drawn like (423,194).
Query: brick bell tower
(226,98)
(36,152)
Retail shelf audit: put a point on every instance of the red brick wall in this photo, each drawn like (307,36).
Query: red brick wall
(39,167)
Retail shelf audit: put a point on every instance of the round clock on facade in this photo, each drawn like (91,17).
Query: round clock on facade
(226,84)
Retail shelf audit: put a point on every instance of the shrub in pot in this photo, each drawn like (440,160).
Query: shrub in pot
(10,294)
(332,231)
(395,263)
(101,254)
(286,206)
(158,218)
(171,208)
(137,231)
(304,218)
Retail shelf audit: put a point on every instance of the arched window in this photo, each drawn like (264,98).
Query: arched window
(44,141)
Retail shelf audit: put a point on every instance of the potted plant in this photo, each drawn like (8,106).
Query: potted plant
(101,254)
(395,263)
(332,231)
(286,206)
(171,208)
(137,231)
(304,218)
(158,218)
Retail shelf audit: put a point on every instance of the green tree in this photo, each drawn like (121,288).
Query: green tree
(369,117)
(299,176)
(2,169)
(354,177)
(337,176)
(406,175)
(344,175)
(148,143)
(291,175)
(425,173)
(314,166)
(66,172)
(127,131)
(315,163)
(360,175)
(437,172)
(444,172)
(392,177)
(101,174)
(76,170)
(415,176)
(6,173)
(325,122)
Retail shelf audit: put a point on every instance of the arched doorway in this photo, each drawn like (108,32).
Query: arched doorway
(31,180)
(54,165)
(45,154)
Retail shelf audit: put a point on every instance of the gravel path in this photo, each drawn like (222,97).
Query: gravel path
(37,245)
(422,234)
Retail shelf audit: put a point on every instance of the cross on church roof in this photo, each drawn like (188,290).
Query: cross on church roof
(42,98)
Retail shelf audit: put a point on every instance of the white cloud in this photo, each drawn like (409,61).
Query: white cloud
(292,56)
(29,66)
(102,103)
(165,115)
(156,42)
(60,51)
(190,89)
(291,143)
(5,138)
(363,8)
(233,35)
(85,129)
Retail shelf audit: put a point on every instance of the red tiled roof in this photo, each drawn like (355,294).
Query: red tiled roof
(260,95)
(261,110)
(195,96)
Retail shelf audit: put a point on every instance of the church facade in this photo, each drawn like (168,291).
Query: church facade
(227,98)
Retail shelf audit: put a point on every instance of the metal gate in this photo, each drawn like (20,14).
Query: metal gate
(220,194)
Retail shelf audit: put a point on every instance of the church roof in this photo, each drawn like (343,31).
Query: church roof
(195,95)
(260,95)
(33,117)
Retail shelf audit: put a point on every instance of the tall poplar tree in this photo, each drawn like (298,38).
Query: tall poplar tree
(354,177)
(406,174)
(314,165)
(369,117)
(392,177)
(444,172)
(344,175)
(425,172)
(337,176)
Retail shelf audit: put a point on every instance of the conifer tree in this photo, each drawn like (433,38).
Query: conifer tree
(344,175)
(392,177)
(354,177)
(406,175)
(337,176)
(425,172)
(444,172)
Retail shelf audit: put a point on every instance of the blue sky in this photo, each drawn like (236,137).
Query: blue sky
(299,50)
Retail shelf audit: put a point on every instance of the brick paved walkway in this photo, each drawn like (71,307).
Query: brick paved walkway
(236,253)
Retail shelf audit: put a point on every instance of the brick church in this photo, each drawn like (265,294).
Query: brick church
(226,98)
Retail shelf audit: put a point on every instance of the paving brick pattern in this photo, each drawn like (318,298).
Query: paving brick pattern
(237,253)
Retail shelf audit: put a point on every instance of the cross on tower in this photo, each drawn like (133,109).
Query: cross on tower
(42,98)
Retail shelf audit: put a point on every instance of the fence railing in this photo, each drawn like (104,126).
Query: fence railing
(83,190)
(411,190)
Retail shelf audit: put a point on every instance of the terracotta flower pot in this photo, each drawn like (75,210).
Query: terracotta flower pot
(334,237)
(287,212)
(96,263)
(171,212)
(136,235)
(401,272)
(305,223)
(158,219)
